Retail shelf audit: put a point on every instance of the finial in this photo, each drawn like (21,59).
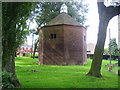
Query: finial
(63,8)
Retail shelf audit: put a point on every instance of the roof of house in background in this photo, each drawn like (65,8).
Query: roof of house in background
(26,45)
(63,18)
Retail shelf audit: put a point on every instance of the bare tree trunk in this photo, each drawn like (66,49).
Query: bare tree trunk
(35,48)
(98,54)
(105,14)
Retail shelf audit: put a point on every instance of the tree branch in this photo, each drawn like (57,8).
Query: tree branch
(110,11)
(113,11)
(101,9)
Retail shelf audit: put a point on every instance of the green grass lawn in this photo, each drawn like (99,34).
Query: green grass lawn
(32,75)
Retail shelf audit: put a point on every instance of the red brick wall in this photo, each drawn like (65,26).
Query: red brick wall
(40,47)
(53,49)
(84,46)
(69,47)
(74,45)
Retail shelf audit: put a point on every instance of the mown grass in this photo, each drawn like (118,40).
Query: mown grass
(32,75)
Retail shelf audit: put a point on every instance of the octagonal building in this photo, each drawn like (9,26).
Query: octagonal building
(62,42)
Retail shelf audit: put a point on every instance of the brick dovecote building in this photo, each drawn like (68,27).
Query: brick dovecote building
(62,42)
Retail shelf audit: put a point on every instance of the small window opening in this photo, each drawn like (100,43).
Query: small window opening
(53,36)
(85,38)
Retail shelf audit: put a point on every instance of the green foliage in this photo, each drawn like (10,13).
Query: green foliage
(44,14)
(32,75)
(113,48)
(7,79)
(14,26)
(15,16)
(106,51)
(78,11)
(119,52)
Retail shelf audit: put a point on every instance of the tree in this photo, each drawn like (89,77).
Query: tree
(105,15)
(14,31)
(113,48)
(77,10)
(105,51)
(35,47)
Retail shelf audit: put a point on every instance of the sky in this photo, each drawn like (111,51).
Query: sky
(93,22)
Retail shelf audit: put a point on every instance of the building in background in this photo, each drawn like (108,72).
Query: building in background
(24,50)
(90,48)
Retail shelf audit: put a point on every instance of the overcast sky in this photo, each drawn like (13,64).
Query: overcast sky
(93,22)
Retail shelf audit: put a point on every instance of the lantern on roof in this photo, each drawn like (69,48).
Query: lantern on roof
(63,9)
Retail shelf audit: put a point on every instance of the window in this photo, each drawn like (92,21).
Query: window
(88,51)
(85,38)
(53,36)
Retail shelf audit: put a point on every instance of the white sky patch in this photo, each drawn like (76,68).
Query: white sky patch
(93,22)
(33,25)
(113,26)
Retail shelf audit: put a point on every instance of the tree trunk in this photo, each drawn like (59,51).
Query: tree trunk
(8,60)
(9,66)
(35,48)
(105,14)
(98,54)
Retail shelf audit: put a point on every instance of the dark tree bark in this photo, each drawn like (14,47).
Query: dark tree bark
(8,62)
(35,48)
(105,15)
(8,57)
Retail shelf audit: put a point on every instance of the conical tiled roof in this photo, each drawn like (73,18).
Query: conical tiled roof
(63,18)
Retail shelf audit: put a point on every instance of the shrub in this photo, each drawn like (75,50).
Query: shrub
(7,79)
